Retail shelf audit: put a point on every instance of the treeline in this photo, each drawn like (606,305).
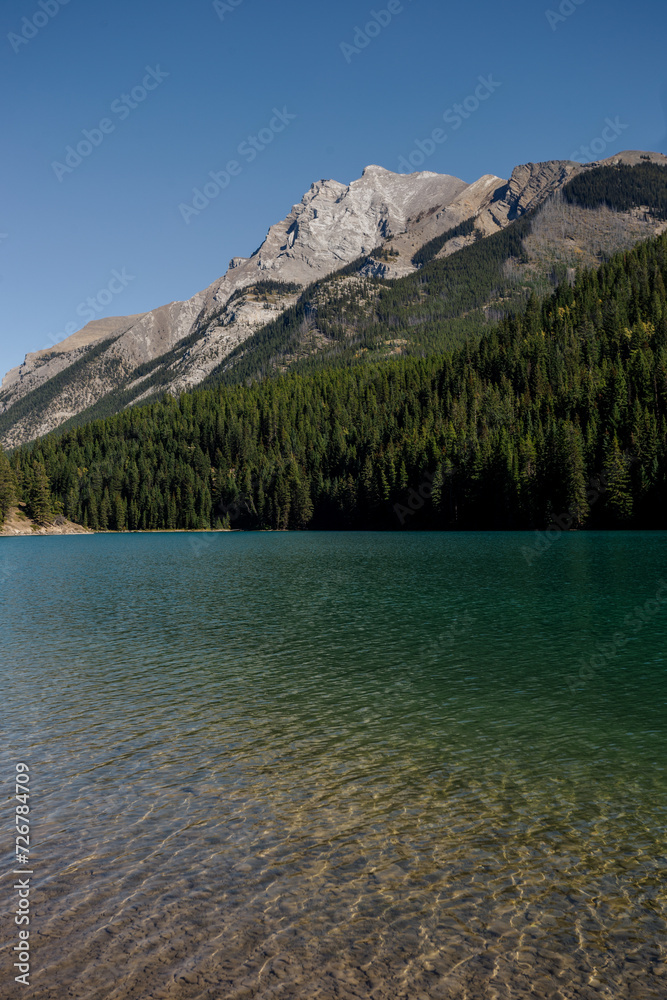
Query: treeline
(263,290)
(560,412)
(337,324)
(431,311)
(434,246)
(36,401)
(621,187)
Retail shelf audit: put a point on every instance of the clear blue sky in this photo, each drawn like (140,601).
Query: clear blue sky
(62,237)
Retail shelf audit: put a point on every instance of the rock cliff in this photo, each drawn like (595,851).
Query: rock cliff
(334,224)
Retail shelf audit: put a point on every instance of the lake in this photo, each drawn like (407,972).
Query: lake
(351,765)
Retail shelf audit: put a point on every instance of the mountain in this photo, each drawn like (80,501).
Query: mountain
(365,243)
(556,418)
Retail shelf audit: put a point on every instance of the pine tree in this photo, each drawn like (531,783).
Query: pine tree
(573,472)
(301,511)
(72,509)
(7,487)
(619,486)
(105,511)
(38,501)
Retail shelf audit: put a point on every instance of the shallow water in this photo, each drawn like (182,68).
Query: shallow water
(307,766)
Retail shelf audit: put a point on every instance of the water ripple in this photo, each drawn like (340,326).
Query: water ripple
(334,765)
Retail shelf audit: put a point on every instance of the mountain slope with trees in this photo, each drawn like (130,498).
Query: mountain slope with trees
(558,413)
(440,273)
(446,302)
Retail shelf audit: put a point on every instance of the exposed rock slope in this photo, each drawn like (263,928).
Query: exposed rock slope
(333,225)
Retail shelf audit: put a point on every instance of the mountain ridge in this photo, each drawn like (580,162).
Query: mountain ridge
(555,419)
(332,226)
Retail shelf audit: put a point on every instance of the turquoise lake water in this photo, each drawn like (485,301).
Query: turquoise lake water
(341,765)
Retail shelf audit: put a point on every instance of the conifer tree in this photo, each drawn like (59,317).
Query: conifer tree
(619,486)
(7,487)
(573,471)
(37,493)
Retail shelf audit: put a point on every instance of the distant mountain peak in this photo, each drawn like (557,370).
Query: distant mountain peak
(373,168)
(383,216)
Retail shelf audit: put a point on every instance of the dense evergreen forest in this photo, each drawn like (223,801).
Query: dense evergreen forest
(559,413)
(438,307)
(621,187)
(433,310)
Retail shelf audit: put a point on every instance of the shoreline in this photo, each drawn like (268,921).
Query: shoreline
(19,525)
(73,529)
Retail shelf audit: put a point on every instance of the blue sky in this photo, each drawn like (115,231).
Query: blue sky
(183,86)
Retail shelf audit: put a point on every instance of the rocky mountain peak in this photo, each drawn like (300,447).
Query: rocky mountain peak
(530,183)
(333,225)
(372,170)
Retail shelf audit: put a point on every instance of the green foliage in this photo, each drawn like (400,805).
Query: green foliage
(7,486)
(431,311)
(619,499)
(621,187)
(264,289)
(37,492)
(558,413)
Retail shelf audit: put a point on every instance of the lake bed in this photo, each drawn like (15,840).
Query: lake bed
(352,765)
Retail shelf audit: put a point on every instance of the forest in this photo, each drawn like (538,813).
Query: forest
(621,187)
(556,415)
(440,306)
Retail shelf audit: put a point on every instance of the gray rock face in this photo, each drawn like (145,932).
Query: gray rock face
(528,187)
(333,225)
(472,201)
(530,183)
(92,333)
